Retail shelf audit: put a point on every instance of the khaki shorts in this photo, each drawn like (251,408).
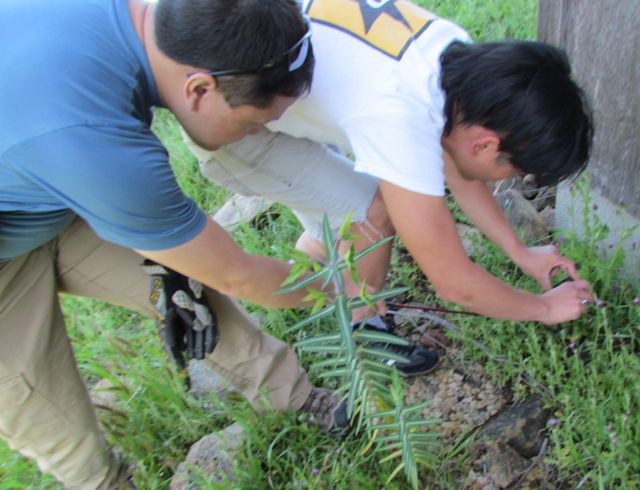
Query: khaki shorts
(308,177)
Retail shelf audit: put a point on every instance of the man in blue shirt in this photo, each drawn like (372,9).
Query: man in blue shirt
(86,191)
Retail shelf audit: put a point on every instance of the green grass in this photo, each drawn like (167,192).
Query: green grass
(587,370)
(489,20)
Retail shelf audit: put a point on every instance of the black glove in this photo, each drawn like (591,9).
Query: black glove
(188,324)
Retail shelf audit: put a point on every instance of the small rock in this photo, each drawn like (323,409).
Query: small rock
(434,338)
(448,404)
(240,209)
(471,239)
(212,456)
(449,426)
(102,394)
(205,382)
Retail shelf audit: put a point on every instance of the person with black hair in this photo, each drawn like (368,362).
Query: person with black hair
(87,192)
(402,104)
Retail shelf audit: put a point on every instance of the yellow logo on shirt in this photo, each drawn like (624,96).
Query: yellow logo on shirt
(387,25)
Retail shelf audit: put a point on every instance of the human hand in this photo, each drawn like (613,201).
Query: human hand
(544,262)
(188,325)
(566,302)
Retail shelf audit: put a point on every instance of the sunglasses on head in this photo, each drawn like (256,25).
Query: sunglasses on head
(295,57)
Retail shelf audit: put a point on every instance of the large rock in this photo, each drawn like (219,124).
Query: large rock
(509,441)
(521,426)
(523,216)
(539,196)
(502,465)
(548,215)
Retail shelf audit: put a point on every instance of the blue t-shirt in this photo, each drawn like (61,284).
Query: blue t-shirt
(76,93)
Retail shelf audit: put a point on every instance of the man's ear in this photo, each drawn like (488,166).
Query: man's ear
(198,87)
(486,144)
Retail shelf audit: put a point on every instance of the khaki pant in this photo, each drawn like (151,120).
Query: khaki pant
(45,411)
(309,178)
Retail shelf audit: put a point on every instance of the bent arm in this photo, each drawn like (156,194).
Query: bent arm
(214,259)
(428,230)
(477,202)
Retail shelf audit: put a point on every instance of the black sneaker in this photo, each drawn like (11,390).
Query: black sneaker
(421,359)
(326,410)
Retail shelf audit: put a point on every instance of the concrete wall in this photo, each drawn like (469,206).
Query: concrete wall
(569,216)
(602,39)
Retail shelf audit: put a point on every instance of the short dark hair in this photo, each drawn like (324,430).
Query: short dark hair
(237,34)
(522,90)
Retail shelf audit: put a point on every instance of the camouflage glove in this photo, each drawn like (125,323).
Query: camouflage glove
(188,324)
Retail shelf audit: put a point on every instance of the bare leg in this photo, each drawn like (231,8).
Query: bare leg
(372,268)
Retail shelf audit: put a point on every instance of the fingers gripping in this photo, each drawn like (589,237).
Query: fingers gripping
(188,324)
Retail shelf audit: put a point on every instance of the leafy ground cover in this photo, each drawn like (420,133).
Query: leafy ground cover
(586,371)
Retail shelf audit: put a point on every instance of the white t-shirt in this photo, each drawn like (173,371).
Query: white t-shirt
(376,95)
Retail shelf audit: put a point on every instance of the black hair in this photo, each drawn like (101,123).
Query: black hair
(522,90)
(239,35)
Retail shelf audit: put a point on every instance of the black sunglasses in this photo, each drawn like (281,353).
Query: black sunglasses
(295,57)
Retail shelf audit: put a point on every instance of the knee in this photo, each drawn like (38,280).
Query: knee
(312,247)
(378,216)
